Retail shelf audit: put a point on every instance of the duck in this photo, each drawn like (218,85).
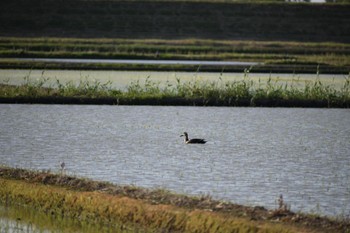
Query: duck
(193,140)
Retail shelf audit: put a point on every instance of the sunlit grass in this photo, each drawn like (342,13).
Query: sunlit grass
(152,211)
(246,91)
(110,210)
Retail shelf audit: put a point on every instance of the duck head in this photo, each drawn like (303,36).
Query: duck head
(184,134)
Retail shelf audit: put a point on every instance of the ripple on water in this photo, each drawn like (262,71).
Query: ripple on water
(252,154)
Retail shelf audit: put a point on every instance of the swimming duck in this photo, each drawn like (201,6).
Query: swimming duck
(193,140)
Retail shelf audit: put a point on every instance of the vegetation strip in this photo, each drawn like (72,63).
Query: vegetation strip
(244,92)
(154,209)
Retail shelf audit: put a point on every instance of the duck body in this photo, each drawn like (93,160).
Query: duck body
(193,140)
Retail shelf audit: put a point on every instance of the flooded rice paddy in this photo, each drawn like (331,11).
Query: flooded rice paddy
(252,156)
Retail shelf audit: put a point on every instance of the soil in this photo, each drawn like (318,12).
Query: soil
(173,102)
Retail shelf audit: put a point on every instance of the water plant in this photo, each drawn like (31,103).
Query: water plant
(244,92)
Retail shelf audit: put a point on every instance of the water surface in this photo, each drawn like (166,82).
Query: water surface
(142,62)
(252,154)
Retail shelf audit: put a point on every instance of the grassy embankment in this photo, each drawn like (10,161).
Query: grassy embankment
(150,210)
(245,92)
(302,36)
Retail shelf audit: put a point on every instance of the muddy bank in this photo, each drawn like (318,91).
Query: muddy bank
(172,211)
(10,63)
(176,102)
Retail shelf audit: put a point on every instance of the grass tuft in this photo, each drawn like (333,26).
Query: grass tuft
(245,92)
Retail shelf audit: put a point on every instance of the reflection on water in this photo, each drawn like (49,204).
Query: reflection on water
(142,62)
(14,218)
(23,219)
(252,154)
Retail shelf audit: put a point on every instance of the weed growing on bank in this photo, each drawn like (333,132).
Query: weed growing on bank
(244,92)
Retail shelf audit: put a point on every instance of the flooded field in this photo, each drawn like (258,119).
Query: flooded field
(134,61)
(252,156)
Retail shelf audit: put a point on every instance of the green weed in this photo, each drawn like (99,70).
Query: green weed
(245,92)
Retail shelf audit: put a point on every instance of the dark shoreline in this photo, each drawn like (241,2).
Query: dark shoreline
(264,68)
(174,102)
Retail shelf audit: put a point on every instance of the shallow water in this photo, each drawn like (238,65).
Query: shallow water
(252,154)
(17,219)
(143,62)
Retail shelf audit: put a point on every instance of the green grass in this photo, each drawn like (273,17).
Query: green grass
(245,92)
